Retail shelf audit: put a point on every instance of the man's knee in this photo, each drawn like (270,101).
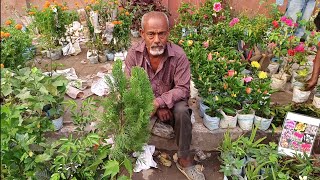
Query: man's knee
(181,108)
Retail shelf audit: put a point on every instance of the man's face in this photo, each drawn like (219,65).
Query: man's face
(155,34)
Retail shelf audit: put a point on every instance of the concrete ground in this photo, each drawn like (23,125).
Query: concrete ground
(211,165)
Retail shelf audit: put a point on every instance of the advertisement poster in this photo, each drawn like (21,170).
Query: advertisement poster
(298,134)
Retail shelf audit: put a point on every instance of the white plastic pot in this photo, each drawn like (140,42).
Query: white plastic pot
(278,81)
(316,101)
(245,121)
(193,90)
(58,123)
(211,123)
(228,121)
(55,54)
(102,58)
(300,96)
(202,109)
(262,123)
(273,67)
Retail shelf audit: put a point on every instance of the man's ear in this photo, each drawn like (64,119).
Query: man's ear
(141,33)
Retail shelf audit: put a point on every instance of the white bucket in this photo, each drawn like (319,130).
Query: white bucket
(245,121)
(202,109)
(316,101)
(211,123)
(300,96)
(278,81)
(228,121)
(58,123)
(262,123)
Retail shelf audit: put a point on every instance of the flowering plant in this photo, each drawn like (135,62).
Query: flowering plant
(15,45)
(51,21)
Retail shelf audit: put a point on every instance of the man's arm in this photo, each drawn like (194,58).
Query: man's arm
(311,83)
(181,89)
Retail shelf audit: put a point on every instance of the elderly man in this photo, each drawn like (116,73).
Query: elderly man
(169,72)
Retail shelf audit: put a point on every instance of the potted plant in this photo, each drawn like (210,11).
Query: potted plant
(92,53)
(211,114)
(316,97)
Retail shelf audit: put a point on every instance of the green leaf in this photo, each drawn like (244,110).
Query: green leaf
(112,168)
(123,177)
(128,165)
(55,176)
(42,158)
(6,90)
(24,94)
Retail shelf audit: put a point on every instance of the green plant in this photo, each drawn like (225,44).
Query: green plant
(15,45)
(24,95)
(127,110)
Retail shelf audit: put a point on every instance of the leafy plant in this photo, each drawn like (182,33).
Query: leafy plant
(127,111)
(15,45)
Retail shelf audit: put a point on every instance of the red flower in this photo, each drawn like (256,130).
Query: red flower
(291,52)
(275,24)
(231,73)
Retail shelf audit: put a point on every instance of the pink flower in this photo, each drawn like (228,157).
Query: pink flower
(306,147)
(283,18)
(289,22)
(299,48)
(313,33)
(247,79)
(298,135)
(295,24)
(233,22)
(217,7)
(272,45)
(205,44)
(231,73)
(209,56)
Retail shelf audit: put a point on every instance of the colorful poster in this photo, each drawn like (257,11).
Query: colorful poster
(298,134)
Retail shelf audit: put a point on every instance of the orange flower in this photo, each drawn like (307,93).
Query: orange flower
(121,8)
(6,35)
(181,42)
(18,26)
(77,4)
(8,22)
(1,66)
(93,1)
(116,22)
(119,22)
(127,13)
(47,4)
(265,92)
(225,86)
(60,5)
(248,90)
(31,13)
(64,8)
(88,8)
(86,1)
(2,34)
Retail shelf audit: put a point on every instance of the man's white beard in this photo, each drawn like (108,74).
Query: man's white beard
(156,51)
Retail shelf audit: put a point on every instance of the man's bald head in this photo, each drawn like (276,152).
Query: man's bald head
(154,14)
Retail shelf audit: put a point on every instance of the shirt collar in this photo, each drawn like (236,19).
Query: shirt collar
(142,47)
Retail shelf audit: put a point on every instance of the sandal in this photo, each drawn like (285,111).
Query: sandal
(192,172)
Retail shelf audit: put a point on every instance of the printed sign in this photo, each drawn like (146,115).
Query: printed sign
(298,134)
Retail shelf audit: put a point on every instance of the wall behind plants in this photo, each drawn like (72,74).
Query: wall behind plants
(249,7)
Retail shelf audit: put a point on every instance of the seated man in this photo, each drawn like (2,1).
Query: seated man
(169,72)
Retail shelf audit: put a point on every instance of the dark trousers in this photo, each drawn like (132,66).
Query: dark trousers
(183,127)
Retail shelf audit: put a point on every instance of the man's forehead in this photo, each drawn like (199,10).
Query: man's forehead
(156,24)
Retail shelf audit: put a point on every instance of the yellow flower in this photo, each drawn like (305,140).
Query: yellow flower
(303,72)
(234,95)
(30,153)
(190,42)
(38,125)
(262,75)
(255,64)
(216,97)
(300,127)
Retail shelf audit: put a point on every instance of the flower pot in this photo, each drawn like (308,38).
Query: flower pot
(135,33)
(262,123)
(110,56)
(273,67)
(92,57)
(193,90)
(102,58)
(211,123)
(300,96)
(202,108)
(245,121)
(58,123)
(316,101)
(228,121)
(55,54)
(278,81)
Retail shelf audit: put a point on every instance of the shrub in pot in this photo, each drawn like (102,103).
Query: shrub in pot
(211,115)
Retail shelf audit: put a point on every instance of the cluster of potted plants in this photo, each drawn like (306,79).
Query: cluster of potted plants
(248,158)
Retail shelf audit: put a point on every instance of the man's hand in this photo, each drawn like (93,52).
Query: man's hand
(311,83)
(164,114)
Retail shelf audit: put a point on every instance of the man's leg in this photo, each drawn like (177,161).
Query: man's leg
(306,14)
(183,130)
(294,7)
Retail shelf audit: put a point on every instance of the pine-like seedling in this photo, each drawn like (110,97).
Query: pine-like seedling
(127,110)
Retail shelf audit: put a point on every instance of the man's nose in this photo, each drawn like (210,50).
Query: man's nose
(156,38)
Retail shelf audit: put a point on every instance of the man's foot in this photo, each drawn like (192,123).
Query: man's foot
(187,168)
